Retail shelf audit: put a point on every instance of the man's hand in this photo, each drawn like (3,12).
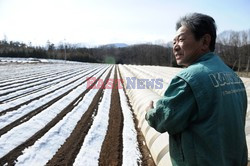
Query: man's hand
(150,106)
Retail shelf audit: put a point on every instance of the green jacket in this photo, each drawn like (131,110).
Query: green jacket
(204,110)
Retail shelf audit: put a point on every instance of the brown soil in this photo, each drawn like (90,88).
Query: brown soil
(12,155)
(33,113)
(67,153)
(33,80)
(25,103)
(146,156)
(111,151)
(38,89)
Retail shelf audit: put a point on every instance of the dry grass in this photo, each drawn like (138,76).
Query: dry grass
(244,74)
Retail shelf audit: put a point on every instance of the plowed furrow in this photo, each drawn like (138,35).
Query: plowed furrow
(38,97)
(33,113)
(13,154)
(26,73)
(111,151)
(40,86)
(146,157)
(31,79)
(69,150)
(41,81)
(36,72)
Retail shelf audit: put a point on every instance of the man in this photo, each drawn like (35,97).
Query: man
(204,107)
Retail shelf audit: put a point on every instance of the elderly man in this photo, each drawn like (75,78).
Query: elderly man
(204,107)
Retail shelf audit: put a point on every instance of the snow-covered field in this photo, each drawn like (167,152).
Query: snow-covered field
(42,105)
(49,116)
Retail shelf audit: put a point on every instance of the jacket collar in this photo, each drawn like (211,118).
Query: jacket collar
(204,57)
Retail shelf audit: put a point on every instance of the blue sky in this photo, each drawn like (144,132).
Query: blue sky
(97,22)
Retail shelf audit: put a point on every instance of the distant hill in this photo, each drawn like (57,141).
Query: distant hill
(116,45)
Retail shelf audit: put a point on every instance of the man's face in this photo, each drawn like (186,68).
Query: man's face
(185,47)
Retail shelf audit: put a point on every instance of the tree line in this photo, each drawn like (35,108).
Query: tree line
(232,46)
(141,54)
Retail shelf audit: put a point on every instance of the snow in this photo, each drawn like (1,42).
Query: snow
(19,60)
(90,150)
(24,131)
(10,117)
(41,93)
(35,85)
(44,149)
(33,60)
(13,73)
(131,153)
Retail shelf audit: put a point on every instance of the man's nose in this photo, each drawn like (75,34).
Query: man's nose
(176,47)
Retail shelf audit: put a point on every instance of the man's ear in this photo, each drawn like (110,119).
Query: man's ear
(206,40)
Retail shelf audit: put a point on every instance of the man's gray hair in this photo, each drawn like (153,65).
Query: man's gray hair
(199,24)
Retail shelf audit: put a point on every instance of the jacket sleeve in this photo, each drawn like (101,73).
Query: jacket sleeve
(176,110)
